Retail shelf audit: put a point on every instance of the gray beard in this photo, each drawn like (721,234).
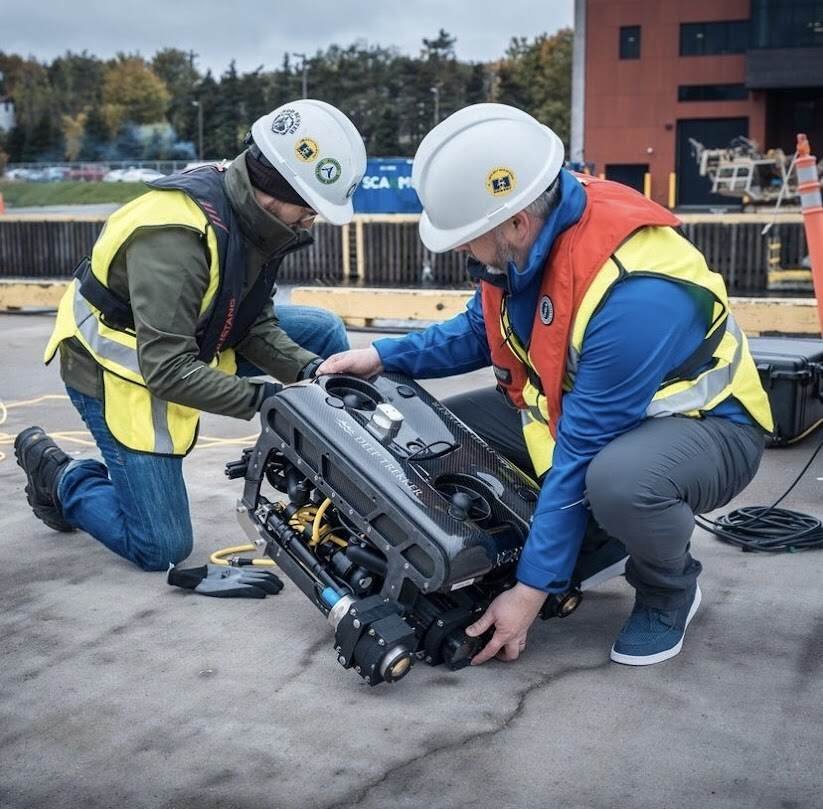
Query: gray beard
(504,254)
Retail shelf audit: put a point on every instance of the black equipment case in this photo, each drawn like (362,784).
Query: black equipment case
(791,371)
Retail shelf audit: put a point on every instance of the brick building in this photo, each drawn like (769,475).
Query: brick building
(650,74)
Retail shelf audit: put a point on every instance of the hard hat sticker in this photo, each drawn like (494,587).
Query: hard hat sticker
(328,171)
(306,150)
(500,181)
(286,122)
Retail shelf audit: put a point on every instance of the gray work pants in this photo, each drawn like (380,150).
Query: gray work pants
(645,487)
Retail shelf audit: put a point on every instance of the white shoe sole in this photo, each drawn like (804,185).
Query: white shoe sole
(648,660)
(616,569)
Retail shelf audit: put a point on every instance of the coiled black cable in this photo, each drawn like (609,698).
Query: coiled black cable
(768,528)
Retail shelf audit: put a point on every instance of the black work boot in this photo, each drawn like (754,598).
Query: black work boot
(42,461)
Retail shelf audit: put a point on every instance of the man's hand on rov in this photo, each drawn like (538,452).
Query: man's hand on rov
(358,361)
(511,614)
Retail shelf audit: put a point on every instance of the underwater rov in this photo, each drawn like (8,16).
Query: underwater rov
(399,523)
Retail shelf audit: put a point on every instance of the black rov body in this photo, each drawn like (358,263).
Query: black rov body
(399,523)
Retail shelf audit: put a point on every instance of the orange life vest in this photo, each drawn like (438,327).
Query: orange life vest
(612,214)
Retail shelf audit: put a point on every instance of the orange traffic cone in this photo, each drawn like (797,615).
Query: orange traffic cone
(2,205)
(808,185)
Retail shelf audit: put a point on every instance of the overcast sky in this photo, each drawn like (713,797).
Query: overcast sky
(258,33)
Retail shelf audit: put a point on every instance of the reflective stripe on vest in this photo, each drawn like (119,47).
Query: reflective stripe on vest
(700,394)
(731,372)
(89,327)
(163,443)
(124,356)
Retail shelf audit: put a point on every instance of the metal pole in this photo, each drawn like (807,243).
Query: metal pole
(200,129)
(305,67)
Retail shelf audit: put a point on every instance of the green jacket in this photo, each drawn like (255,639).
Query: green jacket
(164,274)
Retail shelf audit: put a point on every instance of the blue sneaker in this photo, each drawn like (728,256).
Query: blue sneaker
(600,565)
(651,635)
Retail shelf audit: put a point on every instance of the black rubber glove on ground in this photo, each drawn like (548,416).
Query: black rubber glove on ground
(220,581)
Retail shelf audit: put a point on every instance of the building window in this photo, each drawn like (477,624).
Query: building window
(630,42)
(630,174)
(787,23)
(712,92)
(712,38)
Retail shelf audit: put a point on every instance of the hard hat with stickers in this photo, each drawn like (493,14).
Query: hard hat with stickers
(479,167)
(319,152)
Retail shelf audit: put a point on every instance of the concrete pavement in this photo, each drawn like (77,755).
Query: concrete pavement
(119,691)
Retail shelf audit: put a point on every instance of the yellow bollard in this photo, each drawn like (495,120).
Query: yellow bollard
(811,204)
(672,190)
(647,185)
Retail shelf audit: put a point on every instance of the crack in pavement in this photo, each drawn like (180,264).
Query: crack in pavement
(306,659)
(356,799)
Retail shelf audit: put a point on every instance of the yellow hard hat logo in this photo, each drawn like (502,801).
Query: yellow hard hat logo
(500,181)
(306,150)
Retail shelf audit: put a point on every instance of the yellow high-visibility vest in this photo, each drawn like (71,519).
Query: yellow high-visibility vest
(656,252)
(136,418)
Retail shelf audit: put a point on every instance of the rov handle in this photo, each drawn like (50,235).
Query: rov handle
(237,469)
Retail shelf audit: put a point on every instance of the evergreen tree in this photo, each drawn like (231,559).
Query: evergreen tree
(207,95)
(177,71)
(392,98)
(95,136)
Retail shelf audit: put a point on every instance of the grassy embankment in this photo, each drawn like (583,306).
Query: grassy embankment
(23,195)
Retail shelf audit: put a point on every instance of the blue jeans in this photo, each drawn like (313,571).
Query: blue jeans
(136,503)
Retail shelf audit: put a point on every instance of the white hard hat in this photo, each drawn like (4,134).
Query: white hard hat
(319,152)
(477,168)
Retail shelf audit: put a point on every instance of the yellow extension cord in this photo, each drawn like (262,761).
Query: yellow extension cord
(304,517)
(84,438)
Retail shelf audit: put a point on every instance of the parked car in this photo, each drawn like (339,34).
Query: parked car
(131,175)
(134,175)
(87,172)
(55,173)
(15,174)
(114,176)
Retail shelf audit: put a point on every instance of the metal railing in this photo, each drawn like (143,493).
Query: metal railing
(164,166)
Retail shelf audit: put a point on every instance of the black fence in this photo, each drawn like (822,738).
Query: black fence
(386,251)
(739,251)
(51,248)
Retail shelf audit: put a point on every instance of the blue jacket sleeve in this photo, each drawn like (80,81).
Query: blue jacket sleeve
(647,327)
(455,346)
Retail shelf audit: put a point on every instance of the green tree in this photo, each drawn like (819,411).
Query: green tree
(207,95)
(73,133)
(37,133)
(256,93)
(133,92)
(536,76)
(44,141)
(226,121)
(76,81)
(392,98)
(177,71)
(477,84)
(95,136)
